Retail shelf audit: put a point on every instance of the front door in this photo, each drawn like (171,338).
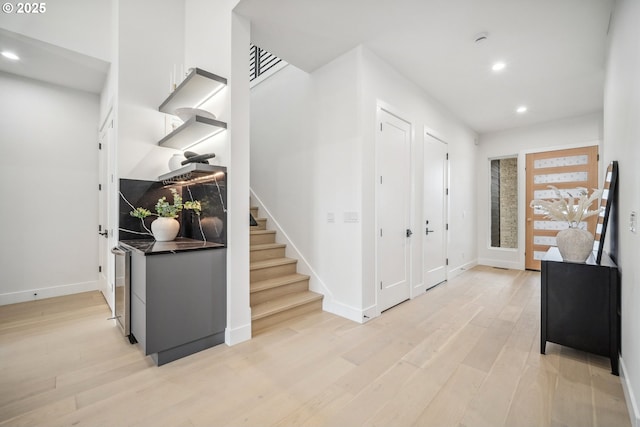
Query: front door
(393,199)
(567,170)
(434,226)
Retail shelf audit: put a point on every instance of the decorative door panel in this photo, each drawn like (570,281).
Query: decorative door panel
(568,170)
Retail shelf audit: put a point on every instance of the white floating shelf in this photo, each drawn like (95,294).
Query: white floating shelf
(197,87)
(193,172)
(191,132)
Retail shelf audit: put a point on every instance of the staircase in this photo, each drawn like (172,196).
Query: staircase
(278,292)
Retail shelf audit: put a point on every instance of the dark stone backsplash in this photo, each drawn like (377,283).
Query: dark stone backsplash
(210,226)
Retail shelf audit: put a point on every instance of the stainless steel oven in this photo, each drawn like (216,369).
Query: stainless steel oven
(123,290)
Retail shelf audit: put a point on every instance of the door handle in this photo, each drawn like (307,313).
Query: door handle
(427,231)
(104,233)
(409,232)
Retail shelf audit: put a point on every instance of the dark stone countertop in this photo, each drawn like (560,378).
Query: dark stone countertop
(180,244)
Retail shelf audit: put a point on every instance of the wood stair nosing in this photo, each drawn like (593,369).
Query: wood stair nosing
(263,246)
(256,231)
(258,265)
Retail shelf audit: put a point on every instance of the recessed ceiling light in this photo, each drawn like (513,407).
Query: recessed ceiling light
(10,55)
(498,66)
(521,109)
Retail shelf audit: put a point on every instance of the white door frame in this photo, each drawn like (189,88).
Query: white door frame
(381,106)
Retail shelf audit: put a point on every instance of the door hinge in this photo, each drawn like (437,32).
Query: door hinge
(380,179)
(447,156)
(447,192)
(99,228)
(447,261)
(446,227)
(380,126)
(381,285)
(381,232)
(99,269)
(99,187)
(99,145)
(597,157)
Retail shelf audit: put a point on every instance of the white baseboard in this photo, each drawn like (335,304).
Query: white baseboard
(511,265)
(342,310)
(50,292)
(629,395)
(461,269)
(237,335)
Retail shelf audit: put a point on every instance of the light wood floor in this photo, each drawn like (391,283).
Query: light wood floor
(464,354)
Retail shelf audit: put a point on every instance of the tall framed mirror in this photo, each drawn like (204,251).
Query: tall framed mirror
(607,200)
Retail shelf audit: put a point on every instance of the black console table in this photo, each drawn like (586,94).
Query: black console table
(580,305)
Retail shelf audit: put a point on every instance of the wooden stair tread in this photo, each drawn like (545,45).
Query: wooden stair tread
(283,303)
(264,246)
(261,231)
(277,281)
(256,265)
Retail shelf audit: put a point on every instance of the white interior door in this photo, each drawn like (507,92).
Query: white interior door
(434,231)
(105,236)
(393,198)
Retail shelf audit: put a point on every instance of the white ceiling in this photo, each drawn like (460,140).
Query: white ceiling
(554,49)
(52,64)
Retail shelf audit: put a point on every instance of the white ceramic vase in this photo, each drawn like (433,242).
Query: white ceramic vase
(175,162)
(165,229)
(575,244)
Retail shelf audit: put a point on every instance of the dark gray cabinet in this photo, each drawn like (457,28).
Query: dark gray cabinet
(178,302)
(580,305)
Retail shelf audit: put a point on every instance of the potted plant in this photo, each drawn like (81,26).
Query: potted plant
(165,228)
(574,243)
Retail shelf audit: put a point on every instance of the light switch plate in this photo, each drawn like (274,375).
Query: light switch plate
(633,222)
(351,217)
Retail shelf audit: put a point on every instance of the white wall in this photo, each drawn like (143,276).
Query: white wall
(48,170)
(567,133)
(382,83)
(150,42)
(622,143)
(80,25)
(313,153)
(305,163)
(217,40)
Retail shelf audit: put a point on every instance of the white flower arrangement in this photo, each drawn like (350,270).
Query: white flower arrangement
(572,209)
